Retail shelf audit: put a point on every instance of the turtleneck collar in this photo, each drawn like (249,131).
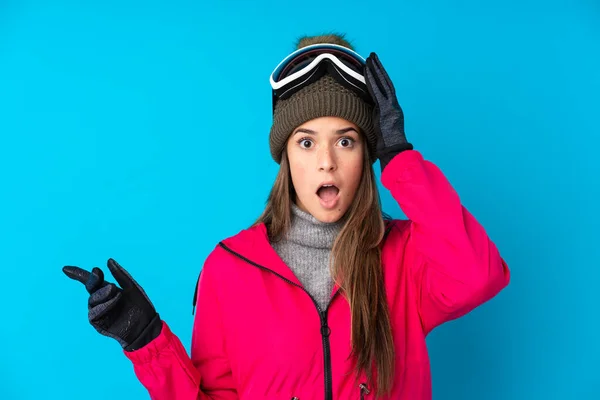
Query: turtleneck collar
(308,231)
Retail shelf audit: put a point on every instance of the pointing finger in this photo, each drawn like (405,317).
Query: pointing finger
(92,281)
(76,273)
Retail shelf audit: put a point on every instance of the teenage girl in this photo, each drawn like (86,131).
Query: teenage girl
(324,297)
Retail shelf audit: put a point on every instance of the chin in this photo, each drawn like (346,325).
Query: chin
(327,216)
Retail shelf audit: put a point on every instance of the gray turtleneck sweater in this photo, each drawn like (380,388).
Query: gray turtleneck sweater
(306,250)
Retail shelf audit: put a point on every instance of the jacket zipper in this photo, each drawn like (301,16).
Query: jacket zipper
(325,329)
(363,390)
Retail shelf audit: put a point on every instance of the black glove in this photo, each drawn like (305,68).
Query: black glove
(388,118)
(126,314)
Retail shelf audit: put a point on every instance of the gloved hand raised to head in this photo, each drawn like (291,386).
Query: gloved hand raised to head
(388,117)
(123,313)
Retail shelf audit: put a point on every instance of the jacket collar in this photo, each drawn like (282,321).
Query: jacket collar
(253,246)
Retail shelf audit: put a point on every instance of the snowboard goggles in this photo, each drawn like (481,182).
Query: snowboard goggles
(310,63)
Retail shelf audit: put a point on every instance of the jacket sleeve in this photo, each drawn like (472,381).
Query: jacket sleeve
(454,265)
(168,373)
(165,369)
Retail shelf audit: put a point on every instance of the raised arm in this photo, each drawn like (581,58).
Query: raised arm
(454,264)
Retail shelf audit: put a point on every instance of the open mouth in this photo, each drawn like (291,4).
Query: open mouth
(328,195)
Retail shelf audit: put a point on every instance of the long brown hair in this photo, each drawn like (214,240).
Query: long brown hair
(356,268)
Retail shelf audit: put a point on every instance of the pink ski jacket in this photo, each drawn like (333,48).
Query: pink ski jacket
(258,335)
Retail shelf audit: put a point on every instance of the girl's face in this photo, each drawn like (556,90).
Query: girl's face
(326,161)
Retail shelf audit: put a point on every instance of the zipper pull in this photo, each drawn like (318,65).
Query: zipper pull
(325,329)
(363,390)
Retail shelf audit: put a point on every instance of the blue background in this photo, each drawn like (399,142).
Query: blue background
(138,130)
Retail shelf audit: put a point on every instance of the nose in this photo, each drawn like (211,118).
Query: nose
(326,160)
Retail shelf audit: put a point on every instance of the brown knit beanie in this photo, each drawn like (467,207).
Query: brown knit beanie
(323,98)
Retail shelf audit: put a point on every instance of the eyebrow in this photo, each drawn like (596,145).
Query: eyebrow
(338,132)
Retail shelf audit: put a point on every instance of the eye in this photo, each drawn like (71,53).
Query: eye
(305,143)
(346,142)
